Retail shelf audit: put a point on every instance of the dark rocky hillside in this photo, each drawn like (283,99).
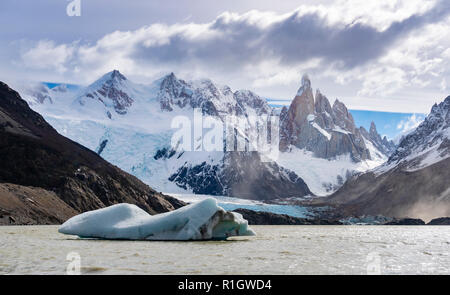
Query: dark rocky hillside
(37,162)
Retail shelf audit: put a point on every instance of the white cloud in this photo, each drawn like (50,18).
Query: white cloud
(371,50)
(411,123)
(380,14)
(47,55)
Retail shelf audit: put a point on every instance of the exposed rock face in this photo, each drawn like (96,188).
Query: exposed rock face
(387,147)
(249,178)
(174,92)
(113,90)
(415,180)
(311,123)
(33,154)
(432,133)
(440,221)
(267,218)
(242,175)
(212,99)
(102,146)
(201,179)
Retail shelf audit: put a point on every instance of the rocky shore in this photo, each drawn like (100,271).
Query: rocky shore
(440,221)
(267,218)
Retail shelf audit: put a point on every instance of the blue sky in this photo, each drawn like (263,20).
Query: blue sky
(387,55)
(387,123)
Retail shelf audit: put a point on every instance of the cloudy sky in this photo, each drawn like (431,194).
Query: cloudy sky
(380,55)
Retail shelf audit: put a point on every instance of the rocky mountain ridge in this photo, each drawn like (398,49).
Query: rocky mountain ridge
(311,123)
(430,138)
(113,90)
(214,100)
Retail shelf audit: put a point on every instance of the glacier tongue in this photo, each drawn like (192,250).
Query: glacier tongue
(204,220)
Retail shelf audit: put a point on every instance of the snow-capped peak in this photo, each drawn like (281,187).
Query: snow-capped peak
(211,98)
(113,90)
(429,142)
(113,79)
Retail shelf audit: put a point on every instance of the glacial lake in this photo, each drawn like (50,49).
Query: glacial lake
(275,250)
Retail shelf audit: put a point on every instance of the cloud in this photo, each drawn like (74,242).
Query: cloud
(443,84)
(233,40)
(411,123)
(47,55)
(376,47)
(408,125)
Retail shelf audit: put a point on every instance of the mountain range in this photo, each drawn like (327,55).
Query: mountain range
(129,125)
(324,159)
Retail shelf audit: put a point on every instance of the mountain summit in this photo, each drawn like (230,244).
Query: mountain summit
(214,100)
(113,90)
(311,123)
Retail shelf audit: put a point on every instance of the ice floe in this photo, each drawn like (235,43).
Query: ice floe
(203,220)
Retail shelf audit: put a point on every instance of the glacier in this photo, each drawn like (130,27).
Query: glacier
(203,220)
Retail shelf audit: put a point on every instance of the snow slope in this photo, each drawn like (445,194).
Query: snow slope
(324,176)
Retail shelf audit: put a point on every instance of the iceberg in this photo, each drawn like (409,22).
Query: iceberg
(203,220)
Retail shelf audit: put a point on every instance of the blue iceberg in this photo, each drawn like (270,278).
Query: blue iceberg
(204,220)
